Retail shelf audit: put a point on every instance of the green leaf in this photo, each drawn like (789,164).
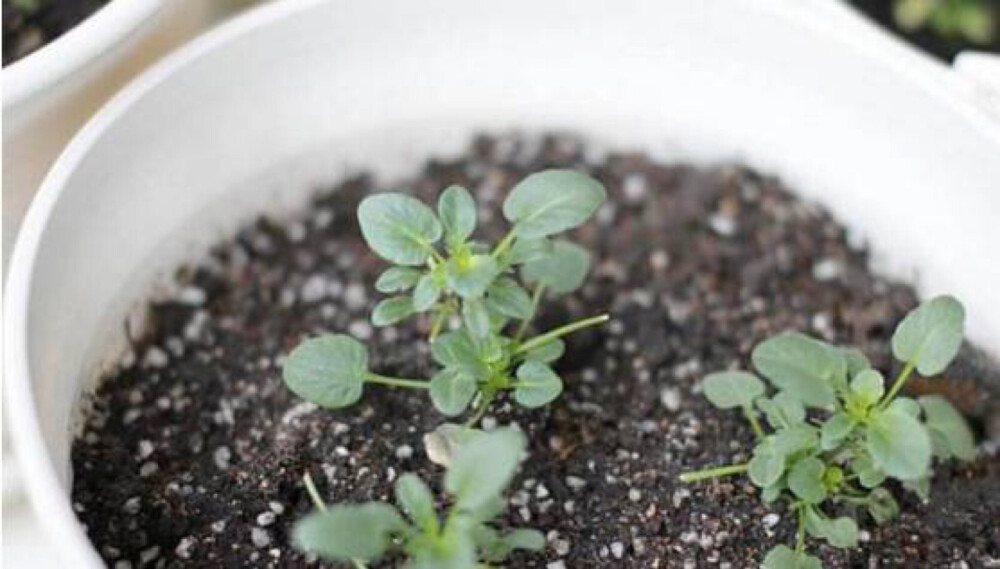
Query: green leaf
(495,547)
(766,466)
(506,297)
(455,349)
(397,279)
(457,211)
(784,557)
(482,469)
(729,389)
(537,384)
(446,439)
(794,439)
(427,293)
(399,228)
(562,270)
(950,434)
(452,389)
(835,430)
(804,367)
(329,371)
(905,405)
(805,480)
(868,473)
(348,532)
(899,445)
(783,410)
(455,550)
(551,202)
(391,310)
(470,275)
(526,539)
(524,250)
(839,532)
(416,501)
(868,387)
(856,360)
(476,317)
(771,493)
(547,352)
(882,506)
(930,335)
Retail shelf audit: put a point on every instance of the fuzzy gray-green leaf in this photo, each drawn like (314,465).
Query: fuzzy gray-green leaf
(805,480)
(867,387)
(784,557)
(835,430)
(551,202)
(452,390)
(899,445)
(562,270)
(729,389)
(804,367)
(476,317)
(536,385)
(329,370)
(950,434)
(507,297)
(930,335)
(426,293)
(480,472)
(470,275)
(457,211)
(547,352)
(391,310)
(415,498)
(348,532)
(397,279)
(398,227)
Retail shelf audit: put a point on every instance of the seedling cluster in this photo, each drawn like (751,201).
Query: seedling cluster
(480,322)
(470,292)
(475,482)
(859,435)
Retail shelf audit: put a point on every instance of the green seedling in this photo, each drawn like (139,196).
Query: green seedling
(860,435)
(462,539)
(972,20)
(480,313)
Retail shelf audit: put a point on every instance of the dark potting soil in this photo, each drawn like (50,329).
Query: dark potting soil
(194,451)
(942,47)
(30,24)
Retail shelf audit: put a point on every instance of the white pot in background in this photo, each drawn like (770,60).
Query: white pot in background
(260,111)
(50,93)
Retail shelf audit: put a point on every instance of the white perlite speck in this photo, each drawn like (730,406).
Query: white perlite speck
(183,549)
(827,269)
(404,452)
(634,495)
(260,537)
(559,564)
(155,357)
(221,456)
(722,224)
(355,296)
(265,519)
(670,397)
(575,482)
(771,520)
(314,289)
(617,549)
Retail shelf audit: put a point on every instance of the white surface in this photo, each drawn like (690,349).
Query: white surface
(258,110)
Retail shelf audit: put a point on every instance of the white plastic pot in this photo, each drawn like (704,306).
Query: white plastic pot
(258,112)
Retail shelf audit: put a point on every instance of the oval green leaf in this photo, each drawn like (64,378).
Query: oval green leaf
(452,389)
(729,389)
(391,310)
(562,270)
(804,367)
(348,532)
(480,472)
(805,480)
(507,298)
(930,335)
(536,385)
(426,293)
(470,275)
(457,211)
(397,279)
(551,202)
(899,444)
(950,434)
(415,498)
(399,228)
(329,371)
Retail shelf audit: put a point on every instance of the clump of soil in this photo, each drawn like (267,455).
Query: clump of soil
(30,24)
(193,453)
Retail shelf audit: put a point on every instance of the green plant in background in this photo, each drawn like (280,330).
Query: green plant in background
(972,20)
(862,435)
(463,539)
(470,285)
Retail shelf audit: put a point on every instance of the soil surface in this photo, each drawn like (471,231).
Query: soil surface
(944,48)
(194,450)
(30,24)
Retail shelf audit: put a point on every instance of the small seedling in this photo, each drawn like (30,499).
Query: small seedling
(463,539)
(469,292)
(861,436)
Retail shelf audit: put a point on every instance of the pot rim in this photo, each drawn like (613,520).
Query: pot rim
(39,474)
(96,35)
